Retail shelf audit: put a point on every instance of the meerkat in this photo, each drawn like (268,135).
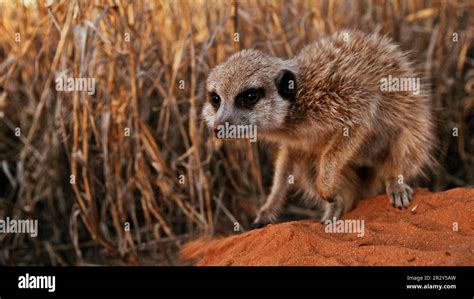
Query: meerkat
(340,135)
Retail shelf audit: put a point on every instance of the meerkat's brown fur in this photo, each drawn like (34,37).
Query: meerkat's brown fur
(340,136)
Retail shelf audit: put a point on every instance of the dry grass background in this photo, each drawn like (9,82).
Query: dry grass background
(136,178)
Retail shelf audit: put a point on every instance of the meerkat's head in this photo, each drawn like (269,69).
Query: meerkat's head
(250,88)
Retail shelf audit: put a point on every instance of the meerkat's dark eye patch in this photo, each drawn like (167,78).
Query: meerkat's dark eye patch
(215,100)
(286,85)
(249,97)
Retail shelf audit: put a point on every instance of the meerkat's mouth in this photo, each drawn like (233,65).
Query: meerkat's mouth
(234,139)
(228,139)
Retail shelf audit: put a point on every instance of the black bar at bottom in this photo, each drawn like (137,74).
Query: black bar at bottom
(222,282)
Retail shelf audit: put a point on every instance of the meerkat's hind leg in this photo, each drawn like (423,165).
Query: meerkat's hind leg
(409,154)
(396,170)
(399,193)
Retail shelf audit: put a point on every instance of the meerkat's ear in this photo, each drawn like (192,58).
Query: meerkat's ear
(286,84)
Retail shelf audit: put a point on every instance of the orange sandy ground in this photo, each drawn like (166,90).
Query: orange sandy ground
(424,236)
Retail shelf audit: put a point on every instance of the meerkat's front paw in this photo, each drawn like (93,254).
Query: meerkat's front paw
(332,211)
(324,190)
(257,225)
(265,216)
(400,195)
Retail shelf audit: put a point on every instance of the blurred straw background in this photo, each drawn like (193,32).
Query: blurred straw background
(126,175)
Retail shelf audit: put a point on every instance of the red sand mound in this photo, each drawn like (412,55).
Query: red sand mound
(425,235)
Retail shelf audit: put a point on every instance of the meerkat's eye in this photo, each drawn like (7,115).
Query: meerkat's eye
(215,100)
(249,97)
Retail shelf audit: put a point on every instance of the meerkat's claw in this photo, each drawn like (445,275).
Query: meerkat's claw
(332,212)
(257,225)
(261,221)
(400,195)
(265,216)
